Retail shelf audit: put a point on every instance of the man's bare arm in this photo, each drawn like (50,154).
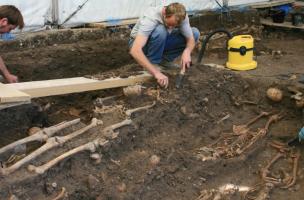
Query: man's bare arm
(186,56)
(7,75)
(138,54)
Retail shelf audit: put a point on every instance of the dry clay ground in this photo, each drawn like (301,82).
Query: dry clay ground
(159,156)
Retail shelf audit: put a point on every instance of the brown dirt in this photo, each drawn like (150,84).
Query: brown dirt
(182,122)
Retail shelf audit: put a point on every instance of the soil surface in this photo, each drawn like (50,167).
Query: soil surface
(158,156)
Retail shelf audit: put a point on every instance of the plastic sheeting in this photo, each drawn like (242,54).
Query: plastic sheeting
(35,13)
(113,10)
(38,13)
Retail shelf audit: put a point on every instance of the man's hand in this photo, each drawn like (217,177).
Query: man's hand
(162,79)
(10,78)
(186,59)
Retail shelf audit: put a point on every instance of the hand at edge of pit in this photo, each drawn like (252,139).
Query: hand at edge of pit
(162,79)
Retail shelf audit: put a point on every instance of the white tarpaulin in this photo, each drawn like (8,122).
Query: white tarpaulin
(37,13)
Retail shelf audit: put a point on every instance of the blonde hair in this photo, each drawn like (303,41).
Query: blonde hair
(176,9)
(13,15)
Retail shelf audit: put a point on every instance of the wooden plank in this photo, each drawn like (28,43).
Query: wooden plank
(270,3)
(14,104)
(75,85)
(9,94)
(269,22)
(104,24)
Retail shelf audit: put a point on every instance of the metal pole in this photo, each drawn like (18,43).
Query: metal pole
(55,12)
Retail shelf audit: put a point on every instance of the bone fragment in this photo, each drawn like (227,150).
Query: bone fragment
(109,132)
(97,157)
(131,111)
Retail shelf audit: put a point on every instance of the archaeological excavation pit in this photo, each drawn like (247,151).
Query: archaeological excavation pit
(217,137)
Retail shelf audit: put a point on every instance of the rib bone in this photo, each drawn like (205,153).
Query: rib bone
(51,143)
(40,136)
(262,132)
(241,129)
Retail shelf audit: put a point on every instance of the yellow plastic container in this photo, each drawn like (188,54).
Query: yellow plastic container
(240,56)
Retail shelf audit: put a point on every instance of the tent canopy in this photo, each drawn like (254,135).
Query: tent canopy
(39,13)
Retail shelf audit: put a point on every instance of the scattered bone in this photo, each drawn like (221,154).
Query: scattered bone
(54,185)
(108,109)
(222,192)
(40,136)
(207,154)
(242,129)
(284,180)
(109,132)
(97,157)
(236,143)
(156,94)
(135,90)
(131,111)
(101,101)
(116,162)
(51,143)
(61,195)
(90,146)
(224,118)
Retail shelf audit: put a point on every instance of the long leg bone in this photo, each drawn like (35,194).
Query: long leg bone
(51,143)
(240,129)
(296,158)
(131,111)
(90,146)
(42,135)
(265,171)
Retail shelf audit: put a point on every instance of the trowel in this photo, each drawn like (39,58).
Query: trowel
(180,77)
